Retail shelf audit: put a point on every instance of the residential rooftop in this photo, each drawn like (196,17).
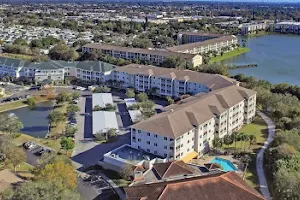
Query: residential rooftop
(225,186)
(203,43)
(158,52)
(212,81)
(193,111)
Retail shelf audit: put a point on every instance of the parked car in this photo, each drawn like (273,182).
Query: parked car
(29,145)
(42,151)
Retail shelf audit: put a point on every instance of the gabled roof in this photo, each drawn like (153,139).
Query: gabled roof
(212,81)
(170,169)
(225,186)
(193,111)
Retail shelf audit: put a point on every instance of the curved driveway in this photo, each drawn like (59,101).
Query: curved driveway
(260,158)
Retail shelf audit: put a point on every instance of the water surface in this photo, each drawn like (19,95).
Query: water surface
(277,56)
(35,120)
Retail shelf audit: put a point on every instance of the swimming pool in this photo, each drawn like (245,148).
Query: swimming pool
(225,164)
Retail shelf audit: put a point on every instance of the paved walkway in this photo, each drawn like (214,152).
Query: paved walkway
(260,158)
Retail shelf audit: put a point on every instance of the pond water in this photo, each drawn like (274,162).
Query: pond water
(35,120)
(277,56)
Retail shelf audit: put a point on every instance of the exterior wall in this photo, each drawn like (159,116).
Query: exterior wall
(53,74)
(151,58)
(11,71)
(253,27)
(153,143)
(200,138)
(186,38)
(287,27)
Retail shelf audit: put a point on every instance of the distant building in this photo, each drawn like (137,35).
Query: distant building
(249,28)
(199,43)
(152,56)
(287,27)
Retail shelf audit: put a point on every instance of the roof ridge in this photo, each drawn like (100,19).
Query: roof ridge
(163,191)
(224,177)
(168,169)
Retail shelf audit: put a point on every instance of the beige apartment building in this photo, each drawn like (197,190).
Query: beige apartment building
(212,43)
(169,81)
(187,129)
(152,56)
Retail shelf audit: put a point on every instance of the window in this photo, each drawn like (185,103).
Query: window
(165,155)
(165,147)
(148,150)
(133,137)
(139,140)
(165,138)
(148,142)
(155,135)
(188,141)
(155,144)
(148,134)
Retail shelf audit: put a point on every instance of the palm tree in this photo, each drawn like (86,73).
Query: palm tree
(217,142)
(252,140)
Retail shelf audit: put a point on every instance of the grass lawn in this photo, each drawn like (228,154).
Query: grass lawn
(24,170)
(54,144)
(20,103)
(260,129)
(16,56)
(230,54)
(58,129)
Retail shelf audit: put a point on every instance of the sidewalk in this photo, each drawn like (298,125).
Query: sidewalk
(263,184)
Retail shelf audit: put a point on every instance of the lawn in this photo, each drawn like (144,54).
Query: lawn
(16,56)
(53,144)
(259,129)
(230,54)
(20,103)
(58,129)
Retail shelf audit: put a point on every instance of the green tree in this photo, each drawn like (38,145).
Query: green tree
(97,108)
(112,133)
(102,89)
(75,95)
(15,156)
(20,41)
(252,140)
(10,124)
(42,190)
(56,117)
(127,172)
(62,97)
(141,97)
(130,93)
(37,43)
(63,52)
(217,142)
(72,108)
(31,102)
(228,140)
(170,100)
(67,143)
(70,131)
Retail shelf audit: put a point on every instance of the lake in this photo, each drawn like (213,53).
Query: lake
(277,56)
(35,120)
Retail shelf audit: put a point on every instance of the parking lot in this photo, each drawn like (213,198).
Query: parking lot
(34,153)
(94,187)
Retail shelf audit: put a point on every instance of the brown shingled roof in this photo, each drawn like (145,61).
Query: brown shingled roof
(169,169)
(193,111)
(212,81)
(225,186)
(204,43)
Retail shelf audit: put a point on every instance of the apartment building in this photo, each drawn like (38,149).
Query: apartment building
(89,71)
(187,129)
(190,37)
(152,56)
(287,27)
(214,44)
(168,81)
(249,28)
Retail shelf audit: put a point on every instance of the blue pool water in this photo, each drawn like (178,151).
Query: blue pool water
(225,164)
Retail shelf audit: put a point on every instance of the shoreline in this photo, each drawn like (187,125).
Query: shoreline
(230,54)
